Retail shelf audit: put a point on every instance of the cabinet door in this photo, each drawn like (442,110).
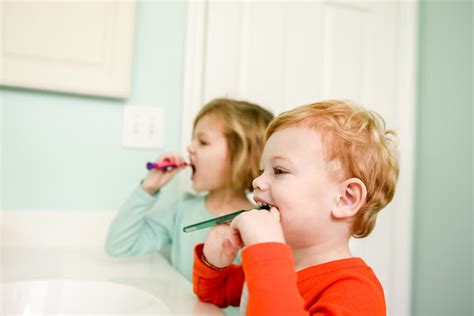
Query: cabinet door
(78,47)
(284,54)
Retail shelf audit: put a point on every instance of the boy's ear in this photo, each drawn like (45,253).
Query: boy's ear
(351,198)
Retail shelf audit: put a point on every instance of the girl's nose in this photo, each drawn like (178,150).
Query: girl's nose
(190,148)
(259,183)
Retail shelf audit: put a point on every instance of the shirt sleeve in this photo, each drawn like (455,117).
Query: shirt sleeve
(271,280)
(221,287)
(136,229)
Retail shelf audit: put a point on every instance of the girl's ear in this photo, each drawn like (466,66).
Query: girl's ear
(352,197)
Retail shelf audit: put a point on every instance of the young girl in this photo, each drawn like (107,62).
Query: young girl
(224,155)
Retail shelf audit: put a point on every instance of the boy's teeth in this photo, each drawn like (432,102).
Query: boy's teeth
(261,205)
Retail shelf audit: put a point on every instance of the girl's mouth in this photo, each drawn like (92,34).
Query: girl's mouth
(193,168)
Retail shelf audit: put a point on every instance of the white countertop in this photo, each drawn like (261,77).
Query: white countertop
(150,273)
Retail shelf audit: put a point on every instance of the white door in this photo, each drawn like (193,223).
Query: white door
(284,54)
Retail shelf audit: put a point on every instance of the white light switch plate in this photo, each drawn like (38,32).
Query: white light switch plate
(143,127)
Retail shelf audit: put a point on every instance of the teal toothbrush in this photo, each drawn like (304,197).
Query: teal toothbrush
(218,220)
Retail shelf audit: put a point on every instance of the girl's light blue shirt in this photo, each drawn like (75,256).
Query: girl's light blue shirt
(140,227)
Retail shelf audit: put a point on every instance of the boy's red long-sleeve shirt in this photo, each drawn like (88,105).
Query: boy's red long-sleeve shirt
(341,287)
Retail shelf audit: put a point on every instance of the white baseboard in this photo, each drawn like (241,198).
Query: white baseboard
(54,229)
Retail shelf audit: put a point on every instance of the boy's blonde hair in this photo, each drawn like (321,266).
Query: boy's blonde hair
(244,129)
(357,143)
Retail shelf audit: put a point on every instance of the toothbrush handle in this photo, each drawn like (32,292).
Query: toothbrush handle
(161,165)
(218,220)
(212,222)
(150,165)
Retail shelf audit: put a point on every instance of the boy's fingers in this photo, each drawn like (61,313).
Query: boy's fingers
(236,240)
(228,248)
(225,244)
(275,213)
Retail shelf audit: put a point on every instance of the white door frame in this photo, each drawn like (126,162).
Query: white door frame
(193,92)
(193,67)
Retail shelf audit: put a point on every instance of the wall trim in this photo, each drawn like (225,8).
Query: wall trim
(193,75)
(193,67)
(54,228)
(406,99)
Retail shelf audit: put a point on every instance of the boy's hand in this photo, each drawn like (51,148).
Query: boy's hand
(156,179)
(221,246)
(259,226)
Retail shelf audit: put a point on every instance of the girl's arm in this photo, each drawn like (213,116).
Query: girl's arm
(133,233)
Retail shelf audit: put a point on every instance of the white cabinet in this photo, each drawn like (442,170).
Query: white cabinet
(67,46)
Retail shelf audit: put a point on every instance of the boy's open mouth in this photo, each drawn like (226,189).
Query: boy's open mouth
(263,205)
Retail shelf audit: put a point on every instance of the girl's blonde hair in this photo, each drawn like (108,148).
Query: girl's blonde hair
(244,129)
(357,143)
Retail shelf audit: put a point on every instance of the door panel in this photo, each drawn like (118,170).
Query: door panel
(284,54)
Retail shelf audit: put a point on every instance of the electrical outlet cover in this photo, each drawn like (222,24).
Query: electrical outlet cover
(143,127)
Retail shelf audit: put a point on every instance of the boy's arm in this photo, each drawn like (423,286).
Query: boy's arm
(132,232)
(271,280)
(221,287)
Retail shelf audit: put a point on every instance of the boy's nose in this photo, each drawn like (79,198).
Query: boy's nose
(259,183)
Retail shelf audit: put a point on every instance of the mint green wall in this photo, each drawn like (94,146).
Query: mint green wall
(442,257)
(64,152)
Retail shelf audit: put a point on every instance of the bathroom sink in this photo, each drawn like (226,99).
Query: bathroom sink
(76,296)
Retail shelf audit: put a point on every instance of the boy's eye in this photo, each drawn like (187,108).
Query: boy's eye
(278,171)
(203,142)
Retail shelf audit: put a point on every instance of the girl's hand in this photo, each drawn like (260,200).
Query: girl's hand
(156,179)
(259,226)
(221,246)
